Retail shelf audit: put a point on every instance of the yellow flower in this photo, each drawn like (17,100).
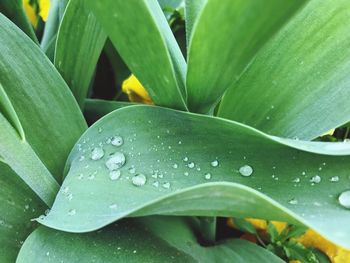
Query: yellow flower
(136,92)
(30,11)
(335,253)
(44,9)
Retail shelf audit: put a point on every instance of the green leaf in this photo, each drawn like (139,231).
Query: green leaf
(296,251)
(79,44)
(165,145)
(244,225)
(192,10)
(226,37)
(141,34)
(154,239)
(272,231)
(298,84)
(18,205)
(13,9)
(49,116)
(95,109)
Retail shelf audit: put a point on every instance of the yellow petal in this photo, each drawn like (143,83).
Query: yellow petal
(29,10)
(44,9)
(136,92)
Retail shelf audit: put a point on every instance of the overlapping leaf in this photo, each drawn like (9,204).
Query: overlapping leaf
(191,166)
(298,85)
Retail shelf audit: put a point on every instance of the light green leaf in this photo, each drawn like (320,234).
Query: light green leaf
(192,10)
(13,9)
(140,33)
(79,44)
(153,239)
(95,109)
(298,84)
(18,205)
(191,164)
(226,37)
(51,119)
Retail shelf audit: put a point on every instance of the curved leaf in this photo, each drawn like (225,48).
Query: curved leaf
(176,151)
(154,239)
(141,34)
(45,107)
(79,44)
(192,10)
(298,85)
(226,37)
(18,205)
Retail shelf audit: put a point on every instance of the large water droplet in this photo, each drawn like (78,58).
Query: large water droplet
(344,199)
(115,161)
(97,153)
(117,141)
(139,180)
(246,170)
(214,163)
(114,175)
(315,179)
(191,165)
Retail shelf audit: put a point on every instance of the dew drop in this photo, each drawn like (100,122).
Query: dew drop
(334,179)
(303,173)
(246,170)
(65,190)
(214,163)
(207,176)
(296,180)
(72,212)
(344,199)
(97,154)
(156,184)
(166,185)
(315,179)
(293,201)
(139,180)
(175,165)
(117,141)
(100,130)
(80,176)
(132,170)
(114,175)
(81,158)
(191,165)
(185,159)
(115,161)
(113,206)
(186,173)
(70,197)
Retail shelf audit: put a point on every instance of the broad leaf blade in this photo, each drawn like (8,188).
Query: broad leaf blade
(140,33)
(154,239)
(79,44)
(227,36)
(18,205)
(50,117)
(298,85)
(176,151)
(192,10)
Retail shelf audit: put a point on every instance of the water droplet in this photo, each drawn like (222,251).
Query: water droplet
(334,179)
(175,165)
(113,206)
(293,201)
(114,175)
(207,176)
(296,180)
(185,159)
(65,190)
(70,197)
(117,141)
(166,185)
(180,142)
(80,176)
(156,184)
(186,173)
(100,130)
(191,165)
(132,170)
(91,176)
(139,180)
(246,170)
(267,117)
(303,173)
(72,212)
(115,161)
(320,168)
(214,163)
(315,179)
(108,141)
(81,158)
(344,199)
(97,154)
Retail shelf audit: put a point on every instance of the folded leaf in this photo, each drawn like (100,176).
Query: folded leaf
(226,37)
(298,85)
(175,163)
